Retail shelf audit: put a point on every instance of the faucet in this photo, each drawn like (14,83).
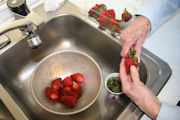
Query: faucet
(27,24)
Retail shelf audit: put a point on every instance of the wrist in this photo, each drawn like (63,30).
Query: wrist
(144,21)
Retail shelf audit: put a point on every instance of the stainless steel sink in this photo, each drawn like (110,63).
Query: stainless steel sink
(69,32)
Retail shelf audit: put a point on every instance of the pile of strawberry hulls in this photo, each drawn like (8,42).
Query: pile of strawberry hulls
(130,60)
(107,19)
(66,91)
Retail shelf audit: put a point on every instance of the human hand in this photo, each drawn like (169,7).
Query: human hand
(134,35)
(138,92)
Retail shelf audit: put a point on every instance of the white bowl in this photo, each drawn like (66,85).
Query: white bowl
(106,80)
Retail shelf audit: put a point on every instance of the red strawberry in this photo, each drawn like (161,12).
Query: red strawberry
(77,77)
(92,11)
(101,6)
(70,101)
(75,94)
(52,93)
(111,13)
(56,84)
(103,21)
(112,21)
(128,62)
(131,60)
(96,11)
(48,91)
(114,25)
(78,89)
(66,91)
(67,82)
(126,16)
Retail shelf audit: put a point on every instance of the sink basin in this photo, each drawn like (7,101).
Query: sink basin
(69,32)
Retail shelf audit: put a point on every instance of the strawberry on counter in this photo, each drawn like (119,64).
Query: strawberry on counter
(126,16)
(96,11)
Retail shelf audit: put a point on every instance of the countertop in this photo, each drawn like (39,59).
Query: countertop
(163,42)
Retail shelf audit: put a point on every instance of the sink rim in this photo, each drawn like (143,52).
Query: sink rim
(145,53)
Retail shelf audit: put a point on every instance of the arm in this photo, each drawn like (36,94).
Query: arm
(142,96)
(138,92)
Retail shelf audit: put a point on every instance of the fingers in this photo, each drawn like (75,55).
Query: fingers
(125,49)
(134,74)
(127,43)
(138,47)
(139,44)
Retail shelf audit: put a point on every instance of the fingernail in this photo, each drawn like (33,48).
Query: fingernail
(139,59)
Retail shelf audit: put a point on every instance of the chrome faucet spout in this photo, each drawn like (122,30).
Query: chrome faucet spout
(27,25)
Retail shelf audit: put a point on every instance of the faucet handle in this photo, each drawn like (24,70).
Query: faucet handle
(18,7)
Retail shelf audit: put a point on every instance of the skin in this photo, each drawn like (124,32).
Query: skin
(138,92)
(133,38)
(134,35)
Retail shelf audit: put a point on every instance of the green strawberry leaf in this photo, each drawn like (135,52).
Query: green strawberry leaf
(126,12)
(114,84)
(103,8)
(132,52)
(116,89)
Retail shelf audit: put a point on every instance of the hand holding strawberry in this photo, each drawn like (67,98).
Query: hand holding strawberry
(131,60)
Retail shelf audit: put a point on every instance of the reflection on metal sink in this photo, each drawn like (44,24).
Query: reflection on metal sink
(68,32)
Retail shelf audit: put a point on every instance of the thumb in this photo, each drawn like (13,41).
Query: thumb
(134,74)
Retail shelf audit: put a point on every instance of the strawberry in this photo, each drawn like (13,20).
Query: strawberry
(68,91)
(102,6)
(103,21)
(131,60)
(67,82)
(78,89)
(108,13)
(65,91)
(52,93)
(114,25)
(70,101)
(92,11)
(112,21)
(111,13)
(77,77)
(56,84)
(126,16)
(103,18)
(96,11)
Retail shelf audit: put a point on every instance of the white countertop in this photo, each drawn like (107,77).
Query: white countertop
(164,42)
